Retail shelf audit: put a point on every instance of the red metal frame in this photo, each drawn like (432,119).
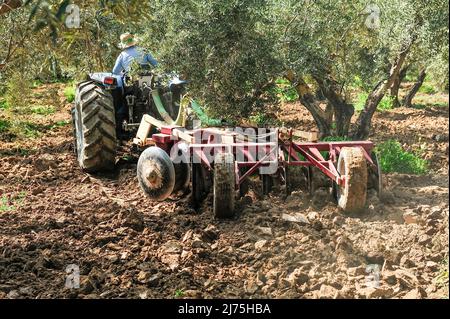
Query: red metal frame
(290,153)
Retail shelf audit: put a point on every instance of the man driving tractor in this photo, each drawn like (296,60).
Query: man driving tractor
(131,51)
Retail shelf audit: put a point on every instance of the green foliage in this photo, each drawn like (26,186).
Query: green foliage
(284,91)
(25,129)
(442,277)
(385,104)
(59,124)
(225,49)
(427,88)
(4,125)
(360,101)
(260,119)
(4,205)
(9,204)
(179,293)
(43,109)
(336,139)
(230,50)
(393,158)
(36,83)
(3,105)
(18,92)
(69,93)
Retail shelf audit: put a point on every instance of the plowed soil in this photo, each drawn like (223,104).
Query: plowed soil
(53,215)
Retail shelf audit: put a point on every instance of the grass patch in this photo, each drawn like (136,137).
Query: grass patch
(5,205)
(36,83)
(3,105)
(4,125)
(442,278)
(69,93)
(26,129)
(360,101)
(393,158)
(335,139)
(387,103)
(10,204)
(43,109)
(419,106)
(59,124)
(427,89)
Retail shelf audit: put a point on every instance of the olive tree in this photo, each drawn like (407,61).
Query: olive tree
(225,49)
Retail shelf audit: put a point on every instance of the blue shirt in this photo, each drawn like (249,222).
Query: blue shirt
(128,55)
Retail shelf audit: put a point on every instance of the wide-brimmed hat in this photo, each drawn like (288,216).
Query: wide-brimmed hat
(127,40)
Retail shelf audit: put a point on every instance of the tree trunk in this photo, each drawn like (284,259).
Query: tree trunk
(396,86)
(407,101)
(342,110)
(309,101)
(365,118)
(9,5)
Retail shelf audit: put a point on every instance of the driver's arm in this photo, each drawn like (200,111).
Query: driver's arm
(150,59)
(118,66)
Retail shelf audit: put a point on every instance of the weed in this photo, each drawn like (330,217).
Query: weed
(4,126)
(284,91)
(335,139)
(9,204)
(5,204)
(393,158)
(442,278)
(3,105)
(259,119)
(43,109)
(427,89)
(59,124)
(69,93)
(179,293)
(360,101)
(385,104)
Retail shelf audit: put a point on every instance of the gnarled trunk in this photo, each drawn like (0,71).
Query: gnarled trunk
(309,101)
(407,101)
(342,110)
(365,118)
(396,86)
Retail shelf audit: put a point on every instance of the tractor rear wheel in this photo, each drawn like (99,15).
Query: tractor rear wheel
(156,173)
(94,127)
(353,167)
(224,185)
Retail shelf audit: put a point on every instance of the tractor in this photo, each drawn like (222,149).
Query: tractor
(108,108)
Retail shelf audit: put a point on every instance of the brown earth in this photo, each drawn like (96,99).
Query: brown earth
(53,215)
